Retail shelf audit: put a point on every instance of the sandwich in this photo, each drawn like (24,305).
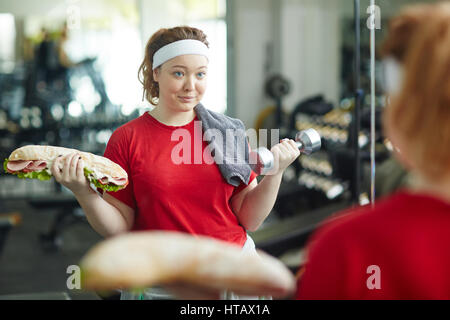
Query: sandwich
(34,162)
(143,259)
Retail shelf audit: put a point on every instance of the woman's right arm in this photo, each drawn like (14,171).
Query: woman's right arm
(107,215)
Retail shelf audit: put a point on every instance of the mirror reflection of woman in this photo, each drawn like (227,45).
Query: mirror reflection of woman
(162,195)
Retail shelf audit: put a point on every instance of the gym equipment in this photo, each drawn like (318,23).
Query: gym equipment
(332,188)
(69,213)
(262,161)
(7,222)
(276,87)
(315,105)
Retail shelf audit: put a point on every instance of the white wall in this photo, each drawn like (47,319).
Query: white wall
(310,56)
(156,14)
(306,44)
(252,34)
(306,35)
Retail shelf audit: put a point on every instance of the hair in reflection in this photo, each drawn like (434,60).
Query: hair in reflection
(419,39)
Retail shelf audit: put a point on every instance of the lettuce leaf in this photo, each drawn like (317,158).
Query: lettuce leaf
(5,163)
(106,187)
(41,175)
(44,175)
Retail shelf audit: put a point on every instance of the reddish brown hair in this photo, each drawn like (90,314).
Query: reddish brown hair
(419,38)
(158,40)
(402,30)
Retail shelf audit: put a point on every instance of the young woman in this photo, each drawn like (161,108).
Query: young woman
(162,194)
(401,248)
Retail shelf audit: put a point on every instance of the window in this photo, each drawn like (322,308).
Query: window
(209,16)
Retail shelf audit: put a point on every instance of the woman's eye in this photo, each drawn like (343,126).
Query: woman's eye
(201,74)
(178,74)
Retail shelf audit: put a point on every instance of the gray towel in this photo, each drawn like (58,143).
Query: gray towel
(228,144)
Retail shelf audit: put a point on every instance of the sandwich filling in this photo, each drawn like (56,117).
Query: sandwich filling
(39,169)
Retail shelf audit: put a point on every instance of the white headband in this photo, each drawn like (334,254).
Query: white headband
(393,75)
(179,48)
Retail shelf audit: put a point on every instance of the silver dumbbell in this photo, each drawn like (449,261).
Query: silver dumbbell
(262,161)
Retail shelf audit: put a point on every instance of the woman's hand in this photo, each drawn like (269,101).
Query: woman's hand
(192,292)
(284,153)
(69,172)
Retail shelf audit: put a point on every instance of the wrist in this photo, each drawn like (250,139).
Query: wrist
(276,175)
(83,193)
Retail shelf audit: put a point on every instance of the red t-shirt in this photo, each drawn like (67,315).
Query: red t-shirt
(398,250)
(192,198)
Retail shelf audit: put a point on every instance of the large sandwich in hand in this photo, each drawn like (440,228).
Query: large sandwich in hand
(144,259)
(35,161)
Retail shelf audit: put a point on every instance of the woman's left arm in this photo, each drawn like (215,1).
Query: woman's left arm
(253,204)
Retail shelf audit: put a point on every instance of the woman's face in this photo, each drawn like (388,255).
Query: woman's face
(182,81)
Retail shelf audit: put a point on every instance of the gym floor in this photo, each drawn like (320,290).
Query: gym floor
(28,268)
(31,268)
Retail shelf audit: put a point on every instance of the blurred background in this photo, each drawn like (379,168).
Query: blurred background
(68,77)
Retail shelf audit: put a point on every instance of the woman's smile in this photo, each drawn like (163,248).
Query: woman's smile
(186,99)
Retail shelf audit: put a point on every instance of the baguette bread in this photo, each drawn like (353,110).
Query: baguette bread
(50,153)
(154,258)
(99,170)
